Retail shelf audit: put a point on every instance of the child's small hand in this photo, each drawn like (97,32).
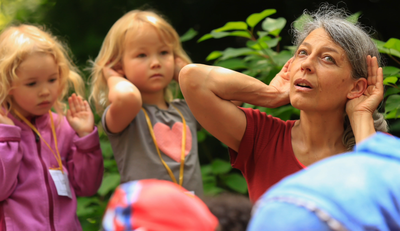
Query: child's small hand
(4,119)
(79,115)
(179,64)
(114,71)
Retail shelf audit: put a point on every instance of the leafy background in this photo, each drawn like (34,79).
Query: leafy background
(249,36)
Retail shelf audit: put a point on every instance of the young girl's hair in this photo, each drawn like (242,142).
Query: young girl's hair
(17,42)
(112,50)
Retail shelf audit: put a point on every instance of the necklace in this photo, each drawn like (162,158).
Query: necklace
(158,150)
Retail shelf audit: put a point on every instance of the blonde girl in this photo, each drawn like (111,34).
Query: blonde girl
(46,159)
(151,136)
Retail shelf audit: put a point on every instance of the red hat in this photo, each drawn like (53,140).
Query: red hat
(155,205)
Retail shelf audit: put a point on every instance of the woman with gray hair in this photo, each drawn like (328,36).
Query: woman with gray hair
(334,79)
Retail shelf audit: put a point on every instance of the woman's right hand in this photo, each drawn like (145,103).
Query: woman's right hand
(281,82)
(4,119)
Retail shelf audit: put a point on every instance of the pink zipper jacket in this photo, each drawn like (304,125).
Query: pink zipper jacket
(28,196)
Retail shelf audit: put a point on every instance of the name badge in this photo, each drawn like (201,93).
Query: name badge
(61,182)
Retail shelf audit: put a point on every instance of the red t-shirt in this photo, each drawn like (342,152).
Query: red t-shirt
(265,153)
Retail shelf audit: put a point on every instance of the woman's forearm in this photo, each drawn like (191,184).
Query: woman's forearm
(234,86)
(362,125)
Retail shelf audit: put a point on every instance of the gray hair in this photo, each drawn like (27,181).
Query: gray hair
(354,40)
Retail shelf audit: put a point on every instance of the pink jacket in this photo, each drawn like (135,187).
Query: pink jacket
(28,196)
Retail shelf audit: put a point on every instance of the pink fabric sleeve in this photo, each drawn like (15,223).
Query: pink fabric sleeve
(85,164)
(10,159)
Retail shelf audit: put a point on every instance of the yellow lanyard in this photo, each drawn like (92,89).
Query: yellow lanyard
(58,157)
(158,150)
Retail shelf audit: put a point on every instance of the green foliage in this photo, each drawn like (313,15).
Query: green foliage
(218,176)
(391,79)
(261,57)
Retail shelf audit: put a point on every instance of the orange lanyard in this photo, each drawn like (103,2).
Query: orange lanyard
(158,150)
(57,156)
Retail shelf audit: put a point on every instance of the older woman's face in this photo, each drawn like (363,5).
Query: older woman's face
(320,74)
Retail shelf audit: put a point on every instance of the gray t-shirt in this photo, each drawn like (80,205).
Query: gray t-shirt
(136,154)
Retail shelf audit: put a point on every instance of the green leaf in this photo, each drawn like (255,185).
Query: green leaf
(393,43)
(354,17)
(390,71)
(392,103)
(235,52)
(223,34)
(220,166)
(206,170)
(232,26)
(214,55)
(254,19)
(236,182)
(191,33)
(384,50)
(205,37)
(298,24)
(211,190)
(272,42)
(391,91)
(106,148)
(201,135)
(86,205)
(110,182)
(390,80)
(233,64)
(274,26)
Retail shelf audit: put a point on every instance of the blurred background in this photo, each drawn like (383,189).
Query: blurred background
(83,24)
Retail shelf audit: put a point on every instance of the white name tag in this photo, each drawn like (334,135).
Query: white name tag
(61,182)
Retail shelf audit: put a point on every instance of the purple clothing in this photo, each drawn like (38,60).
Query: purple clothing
(28,196)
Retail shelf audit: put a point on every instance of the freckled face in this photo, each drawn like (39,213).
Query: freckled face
(320,74)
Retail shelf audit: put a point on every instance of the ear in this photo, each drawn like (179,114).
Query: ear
(359,87)
(118,67)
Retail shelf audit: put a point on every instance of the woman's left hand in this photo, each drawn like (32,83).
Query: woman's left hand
(79,115)
(373,95)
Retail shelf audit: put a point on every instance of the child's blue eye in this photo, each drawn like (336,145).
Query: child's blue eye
(141,55)
(164,52)
(30,84)
(53,80)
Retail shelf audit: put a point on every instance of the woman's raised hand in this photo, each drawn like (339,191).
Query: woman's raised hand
(79,115)
(281,82)
(373,95)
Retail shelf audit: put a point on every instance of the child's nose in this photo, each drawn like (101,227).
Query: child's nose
(44,91)
(155,62)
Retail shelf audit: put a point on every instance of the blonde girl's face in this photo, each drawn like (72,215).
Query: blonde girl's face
(38,86)
(148,62)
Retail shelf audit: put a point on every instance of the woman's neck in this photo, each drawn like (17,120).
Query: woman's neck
(316,136)
(156,99)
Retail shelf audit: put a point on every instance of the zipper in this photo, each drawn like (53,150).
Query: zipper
(46,178)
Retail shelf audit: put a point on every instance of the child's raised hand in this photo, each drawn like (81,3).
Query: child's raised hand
(79,115)
(113,71)
(179,64)
(4,119)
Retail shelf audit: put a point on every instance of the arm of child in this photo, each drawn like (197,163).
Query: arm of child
(85,164)
(10,156)
(209,90)
(125,101)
